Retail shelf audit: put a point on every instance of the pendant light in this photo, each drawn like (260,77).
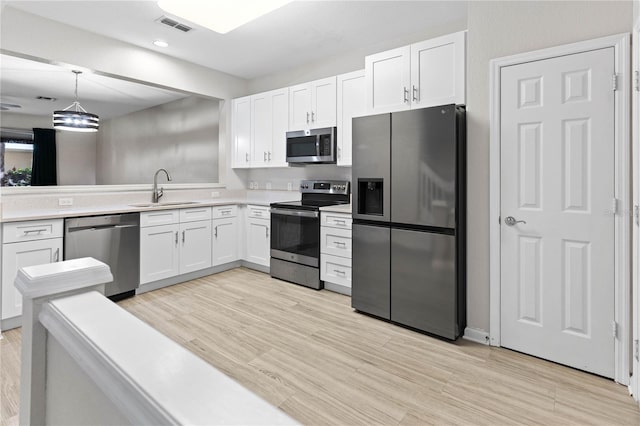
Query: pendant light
(74,117)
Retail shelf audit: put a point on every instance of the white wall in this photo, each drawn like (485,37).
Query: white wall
(499,29)
(180,136)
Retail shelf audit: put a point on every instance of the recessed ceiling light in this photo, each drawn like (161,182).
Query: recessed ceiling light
(220,16)
(160,43)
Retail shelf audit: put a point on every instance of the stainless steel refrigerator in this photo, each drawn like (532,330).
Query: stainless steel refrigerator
(409,218)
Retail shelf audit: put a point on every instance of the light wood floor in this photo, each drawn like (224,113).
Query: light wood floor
(308,353)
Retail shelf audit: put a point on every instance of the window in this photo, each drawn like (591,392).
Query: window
(16,157)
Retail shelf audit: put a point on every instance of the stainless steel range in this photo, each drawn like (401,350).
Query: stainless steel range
(295,231)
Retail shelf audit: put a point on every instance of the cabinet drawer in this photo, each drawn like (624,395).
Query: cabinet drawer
(195,214)
(336,220)
(31,230)
(335,241)
(225,211)
(335,269)
(259,212)
(161,217)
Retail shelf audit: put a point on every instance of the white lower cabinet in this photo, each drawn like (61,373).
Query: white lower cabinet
(258,235)
(335,251)
(195,250)
(171,249)
(26,244)
(159,253)
(225,240)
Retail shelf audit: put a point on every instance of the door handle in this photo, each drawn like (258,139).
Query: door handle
(339,152)
(511,221)
(415,93)
(266,228)
(264,157)
(269,155)
(406,95)
(307,117)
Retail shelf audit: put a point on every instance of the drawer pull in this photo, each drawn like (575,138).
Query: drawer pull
(257,213)
(29,231)
(340,221)
(339,272)
(340,243)
(225,212)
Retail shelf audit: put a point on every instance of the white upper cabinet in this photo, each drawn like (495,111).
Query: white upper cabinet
(423,74)
(241,119)
(438,71)
(387,77)
(269,124)
(351,103)
(313,105)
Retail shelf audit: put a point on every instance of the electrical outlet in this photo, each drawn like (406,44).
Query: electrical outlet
(65,201)
(289,186)
(256,185)
(215,194)
(268,185)
(251,186)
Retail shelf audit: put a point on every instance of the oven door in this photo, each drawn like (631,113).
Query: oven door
(295,236)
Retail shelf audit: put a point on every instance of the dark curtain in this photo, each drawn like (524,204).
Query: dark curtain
(44,170)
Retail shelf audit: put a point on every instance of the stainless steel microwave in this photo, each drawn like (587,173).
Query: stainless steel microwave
(314,146)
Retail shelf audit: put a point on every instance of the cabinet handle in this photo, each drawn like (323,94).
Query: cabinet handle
(339,222)
(406,95)
(29,231)
(246,157)
(414,94)
(265,156)
(176,237)
(226,212)
(215,231)
(56,256)
(307,118)
(269,155)
(183,237)
(257,213)
(313,116)
(339,272)
(266,228)
(339,152)
(340,243)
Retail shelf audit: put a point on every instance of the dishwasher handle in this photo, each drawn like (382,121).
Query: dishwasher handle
(99,227)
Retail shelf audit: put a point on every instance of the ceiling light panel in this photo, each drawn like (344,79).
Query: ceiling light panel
(220,16)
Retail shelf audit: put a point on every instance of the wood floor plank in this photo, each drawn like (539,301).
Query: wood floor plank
(309,353)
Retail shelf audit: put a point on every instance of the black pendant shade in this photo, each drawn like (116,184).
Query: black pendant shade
(74,117)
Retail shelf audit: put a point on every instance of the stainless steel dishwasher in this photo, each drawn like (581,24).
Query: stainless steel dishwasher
(112,239)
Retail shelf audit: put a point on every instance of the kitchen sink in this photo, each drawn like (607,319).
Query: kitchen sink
(171,203)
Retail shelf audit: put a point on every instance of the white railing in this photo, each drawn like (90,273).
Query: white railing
(86,360)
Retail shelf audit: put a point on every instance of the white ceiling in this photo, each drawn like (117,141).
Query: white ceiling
(298,33)
(24,80)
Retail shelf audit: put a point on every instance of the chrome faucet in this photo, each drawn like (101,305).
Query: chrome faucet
(158,193)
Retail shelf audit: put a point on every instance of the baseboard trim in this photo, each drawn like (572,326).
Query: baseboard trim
(10,323)
(476,335)
(144,288)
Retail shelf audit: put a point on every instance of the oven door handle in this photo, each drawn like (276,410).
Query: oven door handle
(287,212)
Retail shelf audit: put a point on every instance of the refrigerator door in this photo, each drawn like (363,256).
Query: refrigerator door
(423,282)
(423,166)
(371,270)
(371,182)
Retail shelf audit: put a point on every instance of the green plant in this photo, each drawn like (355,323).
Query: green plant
(17,177)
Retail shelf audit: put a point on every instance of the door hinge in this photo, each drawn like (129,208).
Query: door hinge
(614,329)
(636,81)
(636,350)
(614,206)
(614,81)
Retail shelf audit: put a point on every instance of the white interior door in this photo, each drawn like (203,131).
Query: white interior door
(557,176)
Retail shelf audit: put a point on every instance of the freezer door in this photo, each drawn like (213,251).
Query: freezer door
(423,166)
(371,181)
(371,270)
(423,282)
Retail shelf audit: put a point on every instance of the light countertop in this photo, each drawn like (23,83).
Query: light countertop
(340,208)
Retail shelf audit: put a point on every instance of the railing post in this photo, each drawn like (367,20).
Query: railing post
(39,284)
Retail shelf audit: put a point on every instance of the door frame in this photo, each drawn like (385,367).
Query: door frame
(635,122)
(622,153)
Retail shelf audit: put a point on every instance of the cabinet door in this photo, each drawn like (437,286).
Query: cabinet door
(300,107)
(277,156)
(20,255)
(351,103)
(261,128)
(438,71)
(225,238)
(195,249)
(242,132)
(258,241)
(159,253)
(387,79)
(323,103)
